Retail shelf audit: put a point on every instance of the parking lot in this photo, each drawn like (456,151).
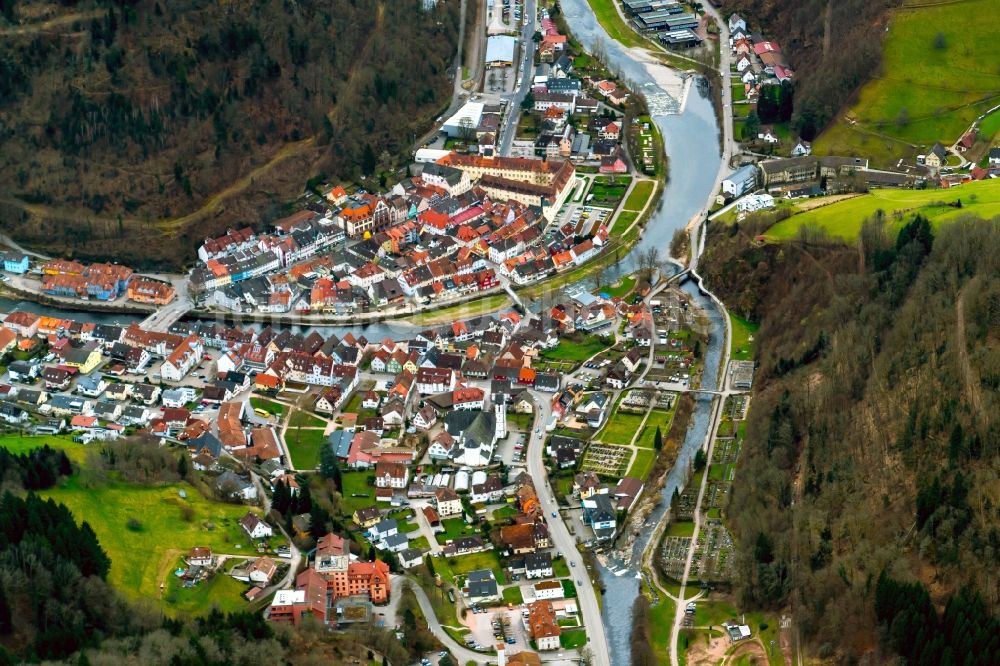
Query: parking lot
(483,628)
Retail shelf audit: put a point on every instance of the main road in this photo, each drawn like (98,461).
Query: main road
(521,88)
(563,541)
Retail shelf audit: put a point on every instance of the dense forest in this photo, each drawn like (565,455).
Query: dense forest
(833,47)
(872,444)
(120,120)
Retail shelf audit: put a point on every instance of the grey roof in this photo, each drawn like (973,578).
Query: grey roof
(233,480)
(206,441)
(538,560)
(481,583)
(743,173)
(396,540)
(386,525)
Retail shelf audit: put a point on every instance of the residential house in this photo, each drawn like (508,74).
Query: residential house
(367,517)
(391,475)
(481,587)
(543,625)
(538,565)
(448,502)
(600,515)
(255,528)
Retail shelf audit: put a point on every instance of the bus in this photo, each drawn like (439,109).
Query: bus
(262,413)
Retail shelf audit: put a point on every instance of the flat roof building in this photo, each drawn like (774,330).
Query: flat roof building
(500,50)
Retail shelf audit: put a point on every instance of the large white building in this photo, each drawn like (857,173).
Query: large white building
(500,50)
(466,118)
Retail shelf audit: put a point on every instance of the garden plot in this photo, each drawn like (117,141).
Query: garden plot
(606,459)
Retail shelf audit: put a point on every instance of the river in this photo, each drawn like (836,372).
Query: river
(691,141)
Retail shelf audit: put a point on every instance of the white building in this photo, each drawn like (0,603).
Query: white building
(741,181)
(466,118)
(754,202)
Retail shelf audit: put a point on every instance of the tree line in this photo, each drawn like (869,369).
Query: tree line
(872,443)
(35,470)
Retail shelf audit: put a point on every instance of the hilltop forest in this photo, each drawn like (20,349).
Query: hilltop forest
(815,35)
(872,446)
(133,129)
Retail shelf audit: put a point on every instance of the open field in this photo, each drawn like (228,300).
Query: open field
(623,221)
(306,420)
(221,591)
(575,351)
(843,219)
(938,74)
(620,428)
(742,346)
(607,16)
(170,526)
(356,483)
(643,464)
(639,196)
(657,417)
(304,446)
(480,306)
(16,443)
(620,288)
(450,567)
(275,408)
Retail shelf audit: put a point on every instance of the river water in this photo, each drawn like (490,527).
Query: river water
(691,141)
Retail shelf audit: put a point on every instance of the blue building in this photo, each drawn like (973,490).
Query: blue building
(15,262)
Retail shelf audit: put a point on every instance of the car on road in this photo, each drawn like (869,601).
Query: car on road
(553,514)
(579,582)
(572,564)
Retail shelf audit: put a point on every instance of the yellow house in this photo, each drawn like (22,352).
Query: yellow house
(368,516)
(86,357)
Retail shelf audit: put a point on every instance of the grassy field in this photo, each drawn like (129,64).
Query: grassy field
(306,420)
(621,288)
(681,529)
(575,351)
(572,639)
(480,306)
(620,428)
(618,30)
(170,527)
(657,417)
(639,196)
(454,528)
(450,567)
(643,464)
(844,218)
(742,346)
(275,408)
(623,221)
(304,447)
(939,72)
(662,615)
(16,443)
(221,591)
(356,483)
(990,125)
(512,595)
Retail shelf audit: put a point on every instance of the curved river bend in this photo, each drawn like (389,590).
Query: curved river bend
(691,140)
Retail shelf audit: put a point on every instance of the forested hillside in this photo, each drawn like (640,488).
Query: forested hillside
(872,443)
(133,128)
(833,46)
